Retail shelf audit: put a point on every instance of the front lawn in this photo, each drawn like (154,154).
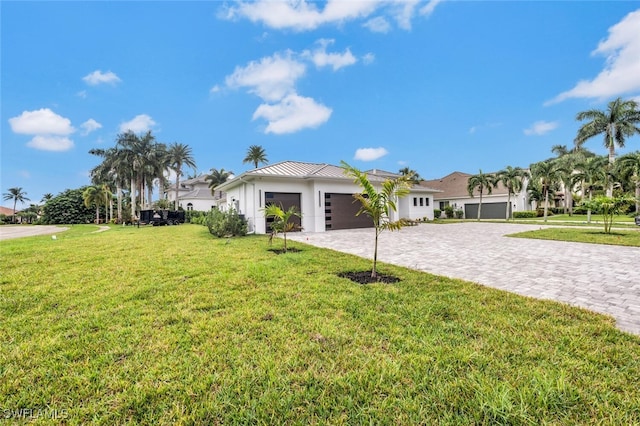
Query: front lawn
(169,325)
(583,235)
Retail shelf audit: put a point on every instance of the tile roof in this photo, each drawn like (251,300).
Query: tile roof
(454,185)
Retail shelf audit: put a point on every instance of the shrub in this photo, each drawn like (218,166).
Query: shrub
(437,213)
(195,216)
(226,224)
(540,212)
(448,210)
(525,214)
(459,214)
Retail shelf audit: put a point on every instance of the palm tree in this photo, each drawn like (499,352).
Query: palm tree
(378,204)
(568,158)
(281,221)
(481,181)
(46,197)
(16,194)
(411,175)
(513,179)
(630,166)
(180,155)
(115,169)
(547,173)
(95,195)
(619,121)
(255,155)
(591,174)
(217,177)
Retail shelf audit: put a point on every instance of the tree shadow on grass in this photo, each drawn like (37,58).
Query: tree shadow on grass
(364,277)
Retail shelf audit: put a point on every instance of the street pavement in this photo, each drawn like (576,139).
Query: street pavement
(601,278)
(8,232)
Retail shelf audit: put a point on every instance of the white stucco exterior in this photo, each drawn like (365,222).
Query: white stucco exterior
(246,193)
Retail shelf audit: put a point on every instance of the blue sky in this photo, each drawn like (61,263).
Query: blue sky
(437,86)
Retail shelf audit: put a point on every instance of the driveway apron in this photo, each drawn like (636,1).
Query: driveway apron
(597,277)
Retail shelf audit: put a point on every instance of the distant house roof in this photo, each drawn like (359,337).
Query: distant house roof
(454,185)
(302,170)
(7,211)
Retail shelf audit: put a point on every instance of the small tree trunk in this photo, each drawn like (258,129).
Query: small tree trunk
(508,204)
(374,272)
(612,159)
(546,203)
(589,209)
(480,206)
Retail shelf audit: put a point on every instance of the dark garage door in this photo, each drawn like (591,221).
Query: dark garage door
(489,211)
(285,200)
(340,213)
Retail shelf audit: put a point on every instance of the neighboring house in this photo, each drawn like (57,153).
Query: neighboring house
(454,193)
(321,192)
(7,211)
(194,194)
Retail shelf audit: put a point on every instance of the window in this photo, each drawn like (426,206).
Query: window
(189,207)
(443,204)
(415,201)
(421,201)
(426,201)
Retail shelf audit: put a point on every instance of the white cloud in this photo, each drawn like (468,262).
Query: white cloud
(540,128)
(621,74)
(139,123)
(89,126)
(368,58)
(25,174)
(429,7)
(292,114)
(321,58)
(98,77)
(40,122)
(215,89)
(302,15)
(378,25)
(272,78)
(370,154)
(82,94)
(50,143)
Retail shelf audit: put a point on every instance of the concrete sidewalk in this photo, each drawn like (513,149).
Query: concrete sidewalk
(601,278)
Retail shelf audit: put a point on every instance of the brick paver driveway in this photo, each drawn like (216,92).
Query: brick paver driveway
(598,277)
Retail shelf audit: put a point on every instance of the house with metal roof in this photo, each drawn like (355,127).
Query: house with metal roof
(453,192)
(321,192)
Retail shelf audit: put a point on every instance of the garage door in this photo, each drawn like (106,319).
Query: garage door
(285,200)
(340,213)
(489,210)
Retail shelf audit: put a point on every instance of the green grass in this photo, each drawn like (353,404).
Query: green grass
(168,325)
(582,235)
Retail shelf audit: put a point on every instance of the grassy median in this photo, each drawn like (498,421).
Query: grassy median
(169,325)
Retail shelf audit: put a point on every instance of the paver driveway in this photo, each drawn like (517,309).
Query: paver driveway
(598,277)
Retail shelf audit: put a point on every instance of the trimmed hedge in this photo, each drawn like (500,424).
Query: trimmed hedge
(525,214)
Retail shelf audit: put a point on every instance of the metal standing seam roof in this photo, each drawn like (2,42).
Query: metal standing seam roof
(301,170)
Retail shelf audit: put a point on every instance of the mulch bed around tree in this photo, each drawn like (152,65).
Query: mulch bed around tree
(281,250)
(364,277)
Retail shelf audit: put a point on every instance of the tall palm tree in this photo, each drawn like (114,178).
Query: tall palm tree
(16,194)
(98,196)
(46,197)
(568,158)
(255,155)
(217,177)
(547,173)
(180,155)
(513,179)
(591,174)
(630,166)
(115,169)
(481,181)
(378,204)
(620,121)
(411,175)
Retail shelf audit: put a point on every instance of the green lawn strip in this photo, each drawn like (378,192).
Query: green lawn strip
(169,325)
(582,235)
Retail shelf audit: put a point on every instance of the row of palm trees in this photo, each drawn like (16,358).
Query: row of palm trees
(577,168)
(137,162)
